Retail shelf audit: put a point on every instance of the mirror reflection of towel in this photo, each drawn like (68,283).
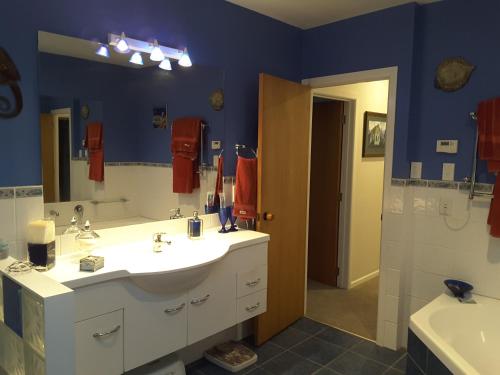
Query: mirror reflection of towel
(94,142)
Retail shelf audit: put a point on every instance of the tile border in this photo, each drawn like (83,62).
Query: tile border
(439,184)
(29,191)
(7,193)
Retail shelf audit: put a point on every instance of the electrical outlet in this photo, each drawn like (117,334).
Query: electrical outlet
(445,207)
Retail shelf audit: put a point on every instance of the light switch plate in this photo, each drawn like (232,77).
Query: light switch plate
(216,145)
(447,146)
(448,172)
(416,170)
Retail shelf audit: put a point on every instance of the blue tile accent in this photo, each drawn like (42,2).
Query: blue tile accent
(289,337)
(355,364)
(318,351)
(12,305)
(290,364)
(417,350)
(338,337)
(377,353)
(25,192)
(421,361)
(6,193)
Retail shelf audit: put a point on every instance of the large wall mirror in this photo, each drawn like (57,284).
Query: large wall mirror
(77,87)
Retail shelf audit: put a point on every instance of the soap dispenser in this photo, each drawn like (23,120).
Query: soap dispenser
(87,239)
(195,226)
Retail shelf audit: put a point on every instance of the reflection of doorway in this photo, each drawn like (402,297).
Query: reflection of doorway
(55,130)
(346,192)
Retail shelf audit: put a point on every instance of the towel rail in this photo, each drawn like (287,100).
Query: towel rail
(119,200)
(239,147)
(472,192)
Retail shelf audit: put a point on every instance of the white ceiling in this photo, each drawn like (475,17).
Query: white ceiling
(311,13)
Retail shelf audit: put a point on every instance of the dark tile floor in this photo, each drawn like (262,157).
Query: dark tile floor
(309,347)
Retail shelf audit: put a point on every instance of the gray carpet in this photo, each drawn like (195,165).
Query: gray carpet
(353,310)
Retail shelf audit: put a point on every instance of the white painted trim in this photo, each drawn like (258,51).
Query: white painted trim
(364,279)
(391,74)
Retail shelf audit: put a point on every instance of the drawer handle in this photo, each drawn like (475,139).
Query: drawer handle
(99,334)
(253,308)
(175,309)
(253,283)
(199,301)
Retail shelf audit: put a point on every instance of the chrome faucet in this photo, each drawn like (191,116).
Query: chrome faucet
(177,214)
(53,213)
(159,241)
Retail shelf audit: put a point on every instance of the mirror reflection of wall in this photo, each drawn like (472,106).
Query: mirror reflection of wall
(78,88)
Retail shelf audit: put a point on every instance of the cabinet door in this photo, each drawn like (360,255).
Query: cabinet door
(156,326)
(99,345)
(212,304)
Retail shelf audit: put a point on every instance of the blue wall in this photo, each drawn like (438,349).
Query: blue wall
(371,41)
(217,33)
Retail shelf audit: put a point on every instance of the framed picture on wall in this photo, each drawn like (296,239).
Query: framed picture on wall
(374,128)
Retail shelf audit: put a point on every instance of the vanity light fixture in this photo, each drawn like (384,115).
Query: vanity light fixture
(102,50)
(185,60)
(122,45)
(156,53)
(165,64)
(136,58)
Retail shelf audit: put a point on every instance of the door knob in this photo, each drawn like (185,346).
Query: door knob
(268,216)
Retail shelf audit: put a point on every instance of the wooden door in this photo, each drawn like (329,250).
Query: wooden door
(47,136)
(324,201)
(284,122)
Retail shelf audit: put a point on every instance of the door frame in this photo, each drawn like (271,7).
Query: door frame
(390,74)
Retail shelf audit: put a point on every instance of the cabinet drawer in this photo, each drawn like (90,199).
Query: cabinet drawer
(252,305)
(156,326)
(252,281)
(212,305)
(99,345)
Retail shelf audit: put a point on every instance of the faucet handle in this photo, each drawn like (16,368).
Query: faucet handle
(176,213)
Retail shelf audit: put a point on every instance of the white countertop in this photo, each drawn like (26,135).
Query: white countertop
(138,259)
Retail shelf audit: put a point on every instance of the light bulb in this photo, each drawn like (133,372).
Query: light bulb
(102,50)
(185,60)
(165,64)
(122,45)
(156,53)
(136,58)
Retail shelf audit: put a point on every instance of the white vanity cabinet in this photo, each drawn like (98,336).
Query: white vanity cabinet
(153,325)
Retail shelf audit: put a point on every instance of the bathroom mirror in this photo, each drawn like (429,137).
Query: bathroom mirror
(135,105)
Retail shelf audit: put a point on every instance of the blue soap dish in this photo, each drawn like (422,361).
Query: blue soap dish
(458,288)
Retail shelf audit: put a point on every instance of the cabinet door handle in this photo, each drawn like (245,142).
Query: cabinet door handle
(98,335)
(199,301)
(253,307)
(175,309)
(253,283)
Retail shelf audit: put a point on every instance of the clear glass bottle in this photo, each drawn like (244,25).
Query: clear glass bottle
(87,239)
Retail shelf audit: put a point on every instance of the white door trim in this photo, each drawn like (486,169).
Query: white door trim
(391,74)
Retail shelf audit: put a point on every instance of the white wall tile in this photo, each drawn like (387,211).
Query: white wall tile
(390,308)
(27,209)
(391,254)
(7,219)
(433,259)
(390,335)
(389,278)
(426,285)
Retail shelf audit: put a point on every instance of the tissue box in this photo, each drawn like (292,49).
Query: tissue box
(91,263)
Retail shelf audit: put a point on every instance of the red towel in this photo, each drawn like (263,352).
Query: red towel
(219,181)
(488,122)
(185,149)
(94,142)
(245,200)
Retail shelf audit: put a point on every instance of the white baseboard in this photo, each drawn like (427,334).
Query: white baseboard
(363,279)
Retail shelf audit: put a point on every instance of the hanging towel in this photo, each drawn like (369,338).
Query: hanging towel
(94,142)
(245,200)
(185,149)
(219,182)
(488,122)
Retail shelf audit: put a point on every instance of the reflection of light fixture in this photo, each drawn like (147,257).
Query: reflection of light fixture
(122,45)
(185,60)
(156,53)
(136,58)
(102,50)
(165,64)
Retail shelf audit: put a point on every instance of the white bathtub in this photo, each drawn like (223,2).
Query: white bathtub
(465,337)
